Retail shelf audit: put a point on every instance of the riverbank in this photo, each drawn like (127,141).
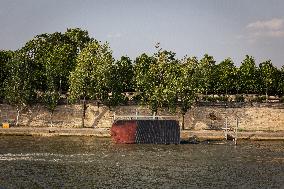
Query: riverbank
(53,131)
(202,116)
(105,132)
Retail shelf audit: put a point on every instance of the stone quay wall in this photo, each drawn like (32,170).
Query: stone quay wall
(251,117)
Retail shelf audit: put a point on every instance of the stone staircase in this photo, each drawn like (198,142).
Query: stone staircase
(104,120)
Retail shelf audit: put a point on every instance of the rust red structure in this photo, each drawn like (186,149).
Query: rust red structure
(124,131)
(146,131)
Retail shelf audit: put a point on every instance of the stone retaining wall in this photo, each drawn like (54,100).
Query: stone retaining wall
(252,117)
(63,116)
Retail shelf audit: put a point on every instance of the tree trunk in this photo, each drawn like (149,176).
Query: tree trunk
(266,93)
(84,112)
(51,116)
(226,92)
(182,124)
(60,90)
(18,115)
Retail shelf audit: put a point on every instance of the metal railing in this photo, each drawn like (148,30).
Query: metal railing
(235,129)
(137,117)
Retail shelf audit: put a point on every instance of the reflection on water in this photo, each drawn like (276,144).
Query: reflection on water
(86,162)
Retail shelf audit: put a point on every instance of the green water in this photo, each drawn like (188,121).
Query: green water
(86,162)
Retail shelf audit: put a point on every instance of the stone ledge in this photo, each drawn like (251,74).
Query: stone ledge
(104,132)
(52,131)
(220,135)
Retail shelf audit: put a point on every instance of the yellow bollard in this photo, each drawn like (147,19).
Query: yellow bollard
(5,125)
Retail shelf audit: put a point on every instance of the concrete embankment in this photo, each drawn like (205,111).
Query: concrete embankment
(103,132)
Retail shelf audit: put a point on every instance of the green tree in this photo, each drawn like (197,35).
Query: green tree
(122,80)
(226,76)
(248,75)
(56,51)
(5,58)
(143,77)
(205,74)
(280,88)
(166,74)
(238,83)
(157,79)
(80,38)
(56,72)
(187,85)
(19,85)
(54,56)
(91,78)
(269,76)
(124,73)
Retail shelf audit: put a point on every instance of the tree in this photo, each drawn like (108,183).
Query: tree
(269,76)
(248,75)
(123,73)
(205,74)
(226,76)
(157,79)
(280,88)
(5,58)
(121,80)
(237,84)
(19,86)
(143,77)
(92,76)
(60,51)
(80,38)
(54,56)
(166,74)
(56,72)
(187,85)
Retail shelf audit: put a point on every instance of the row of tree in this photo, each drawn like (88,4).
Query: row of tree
(78,65)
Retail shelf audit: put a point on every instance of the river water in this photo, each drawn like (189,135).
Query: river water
(86,162)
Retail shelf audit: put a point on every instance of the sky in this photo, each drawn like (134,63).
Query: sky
(221,28)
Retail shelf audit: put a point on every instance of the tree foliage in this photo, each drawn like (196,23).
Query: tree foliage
(122,80)
(143,77)
(54,58)
(269,76)
(248,74)
(92,76)
(19,88)
(5,58)
(157,79)
(49,65)
(226,77)
(205,74)
(19,84)
(188,83)
(280,85)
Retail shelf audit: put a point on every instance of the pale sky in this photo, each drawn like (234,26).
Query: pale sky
(221,28)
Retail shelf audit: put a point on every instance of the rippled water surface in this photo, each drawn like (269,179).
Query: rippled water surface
(86,162)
